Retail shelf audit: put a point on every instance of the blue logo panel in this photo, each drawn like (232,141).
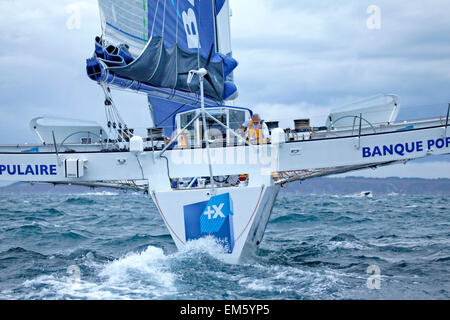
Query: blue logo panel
(211,218)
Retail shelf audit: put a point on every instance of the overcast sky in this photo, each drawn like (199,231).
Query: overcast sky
(298,59)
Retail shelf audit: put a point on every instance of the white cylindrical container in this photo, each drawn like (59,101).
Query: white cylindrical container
(278,136)
(136,144)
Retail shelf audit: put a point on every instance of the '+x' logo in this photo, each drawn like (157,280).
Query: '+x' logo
(216,211)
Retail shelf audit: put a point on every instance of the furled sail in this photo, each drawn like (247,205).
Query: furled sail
(151,45)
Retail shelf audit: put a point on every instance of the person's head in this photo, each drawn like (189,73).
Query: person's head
(256,119)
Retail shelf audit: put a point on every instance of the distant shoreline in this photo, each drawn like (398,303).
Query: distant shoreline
(319,186)
(378,186)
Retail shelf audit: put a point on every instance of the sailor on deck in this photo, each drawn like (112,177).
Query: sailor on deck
(258,132)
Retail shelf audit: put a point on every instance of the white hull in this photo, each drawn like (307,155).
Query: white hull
(188,211)
(252,208)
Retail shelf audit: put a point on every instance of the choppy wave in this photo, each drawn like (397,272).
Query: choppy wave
(80,200)
(98,246)
(102,193)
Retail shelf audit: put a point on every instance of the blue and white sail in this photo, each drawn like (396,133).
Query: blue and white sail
(151,45)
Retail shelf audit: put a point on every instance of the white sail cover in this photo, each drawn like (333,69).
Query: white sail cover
(374,110)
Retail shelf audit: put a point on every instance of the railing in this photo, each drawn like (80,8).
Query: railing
(395,123)
(360,117)
(446,119)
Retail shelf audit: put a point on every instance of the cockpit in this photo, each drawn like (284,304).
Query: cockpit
(221,121)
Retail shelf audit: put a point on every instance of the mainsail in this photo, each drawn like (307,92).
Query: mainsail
(151,45)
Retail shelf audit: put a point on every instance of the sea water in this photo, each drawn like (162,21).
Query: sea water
(115,246)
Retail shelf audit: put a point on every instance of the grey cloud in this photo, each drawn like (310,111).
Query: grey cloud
(295,57)
(345,60)
(43,67)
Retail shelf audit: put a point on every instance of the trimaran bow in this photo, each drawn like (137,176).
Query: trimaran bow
(207,180)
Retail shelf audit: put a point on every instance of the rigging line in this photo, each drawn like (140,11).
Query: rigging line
(172,94)
(107,103)
(110,115)
(161,46)
(113,114)
(116,115)
(164,22)
(140,165)
(111,121)
(167,165)
(110,102)
(194,92)
(168,96)
(176,47)
(107,112)
(154,19)
(115,111)
(199,36)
